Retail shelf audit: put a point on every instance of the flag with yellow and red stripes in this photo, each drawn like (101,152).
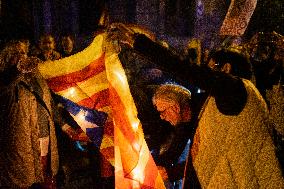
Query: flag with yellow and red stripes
(95,90)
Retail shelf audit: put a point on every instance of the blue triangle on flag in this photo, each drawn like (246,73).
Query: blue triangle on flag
(95,135)
(93,116)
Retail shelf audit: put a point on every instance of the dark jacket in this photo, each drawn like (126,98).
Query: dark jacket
(176,143)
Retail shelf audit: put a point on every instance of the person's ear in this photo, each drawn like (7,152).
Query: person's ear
(227,68)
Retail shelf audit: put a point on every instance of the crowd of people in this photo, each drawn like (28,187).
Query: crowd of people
(220,112)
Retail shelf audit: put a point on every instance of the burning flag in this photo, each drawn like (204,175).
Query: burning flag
(95,91)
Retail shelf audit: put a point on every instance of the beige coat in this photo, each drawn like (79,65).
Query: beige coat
(275,96)
(20,152)
(236,151)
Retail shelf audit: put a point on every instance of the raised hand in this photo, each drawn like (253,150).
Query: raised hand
(120,33)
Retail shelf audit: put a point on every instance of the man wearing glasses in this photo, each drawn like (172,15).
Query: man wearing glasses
(173,103)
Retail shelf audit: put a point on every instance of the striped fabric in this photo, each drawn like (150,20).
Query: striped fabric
(81,82)
(94,89)
(91,121)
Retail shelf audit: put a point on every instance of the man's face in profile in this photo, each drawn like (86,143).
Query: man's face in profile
(169,110)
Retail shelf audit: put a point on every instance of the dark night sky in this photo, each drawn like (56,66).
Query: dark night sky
(28,18)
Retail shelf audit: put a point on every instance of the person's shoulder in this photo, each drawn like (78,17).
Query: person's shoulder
(253,92)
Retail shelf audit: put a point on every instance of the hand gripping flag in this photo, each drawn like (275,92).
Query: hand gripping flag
(94,90)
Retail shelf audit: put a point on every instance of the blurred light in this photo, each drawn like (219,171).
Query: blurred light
(135,124)
(79,146)
(200,91)
(72,92)
(138,174)
(199,3)
(121,77)
(81,115)
(135,185)
(136,146)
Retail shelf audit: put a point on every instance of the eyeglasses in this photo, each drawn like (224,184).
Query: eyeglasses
(163,111)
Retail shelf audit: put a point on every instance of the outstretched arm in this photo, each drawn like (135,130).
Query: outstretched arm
(229,91)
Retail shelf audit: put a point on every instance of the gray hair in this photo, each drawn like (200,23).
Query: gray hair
(172,92)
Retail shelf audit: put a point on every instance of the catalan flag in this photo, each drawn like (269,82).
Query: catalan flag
(94,89)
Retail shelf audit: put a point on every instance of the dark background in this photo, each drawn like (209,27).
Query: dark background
(172,20)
